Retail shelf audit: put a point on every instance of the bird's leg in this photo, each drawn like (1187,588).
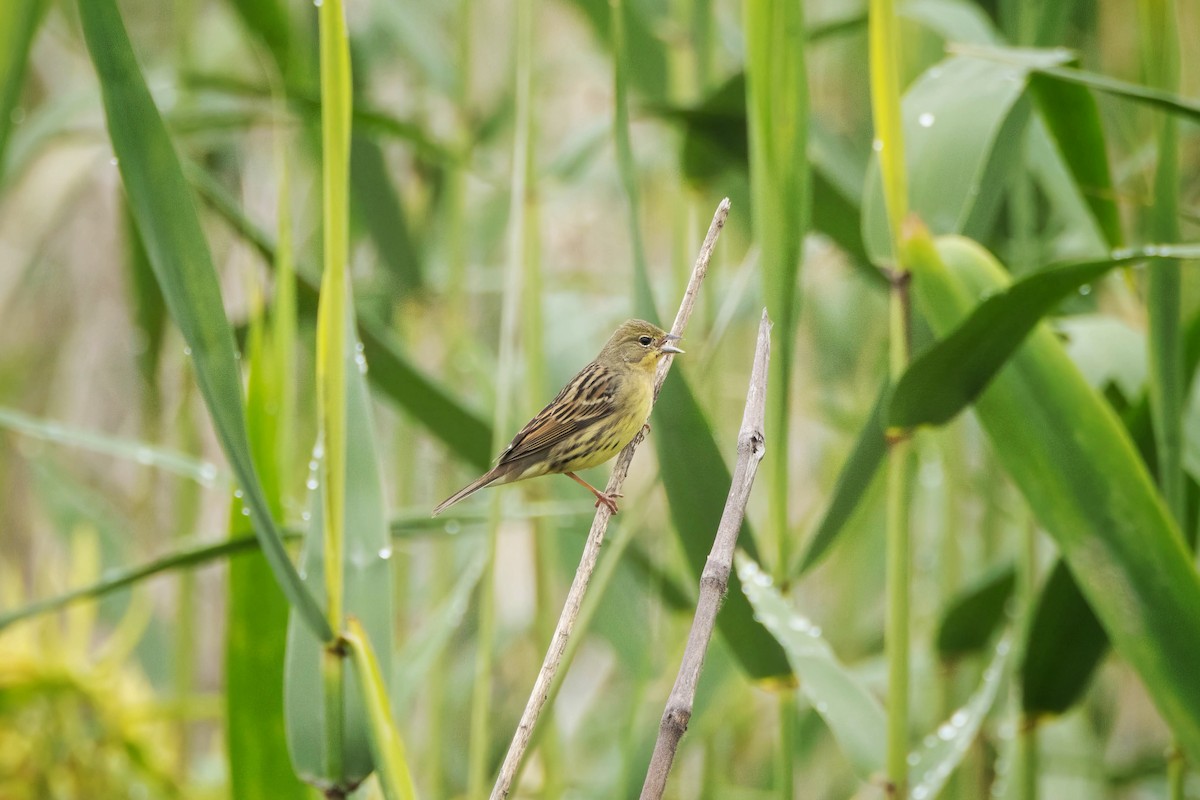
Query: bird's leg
(609,500)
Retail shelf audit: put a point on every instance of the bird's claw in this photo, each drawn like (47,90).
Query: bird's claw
(645,427)
(609,500)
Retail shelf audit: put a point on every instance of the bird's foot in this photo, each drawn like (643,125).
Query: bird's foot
(645,427)
(609,500)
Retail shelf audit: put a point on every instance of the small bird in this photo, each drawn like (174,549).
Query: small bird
(595,415)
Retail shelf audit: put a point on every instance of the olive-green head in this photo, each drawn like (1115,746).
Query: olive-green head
(639,343)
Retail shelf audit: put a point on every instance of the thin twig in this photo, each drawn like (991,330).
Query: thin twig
(714,581)
(591,549)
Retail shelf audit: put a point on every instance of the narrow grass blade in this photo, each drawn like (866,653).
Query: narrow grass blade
(948,376)
(149,308)
(971,618)
(18,25)
(848,708)
(202,472)
(1075,465)
(941,752)
(387,747)
(869,451)
(1073,119)
(166,216)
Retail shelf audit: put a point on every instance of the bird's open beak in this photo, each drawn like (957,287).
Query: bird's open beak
(668,347)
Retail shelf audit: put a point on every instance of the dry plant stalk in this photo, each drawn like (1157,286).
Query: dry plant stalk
(714,580)
(591,549)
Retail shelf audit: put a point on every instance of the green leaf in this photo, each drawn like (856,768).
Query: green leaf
(941,752)
(963,122)
(1068,453)
(697,481)
(970,620)
(166,216)
(869,451)
(1073,119)
(387,748)
(149,308)
(848,708)
(1064,646)
(949,375)
(368,596)
(18,26)
(202,472)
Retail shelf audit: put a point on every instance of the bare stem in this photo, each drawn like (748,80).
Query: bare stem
(591,549)
(714,581)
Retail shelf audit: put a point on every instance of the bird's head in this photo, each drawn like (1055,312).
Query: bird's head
(638,343)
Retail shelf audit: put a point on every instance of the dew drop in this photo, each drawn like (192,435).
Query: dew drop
(245,511)
(815,630)
(114,161)
(208,473)
(187,351)
(1085,290)
(385,552)
(877,145)
(306,516)
(238,493)
(925,120)
(452,527)
(912,759)
(945,731)
(311,483)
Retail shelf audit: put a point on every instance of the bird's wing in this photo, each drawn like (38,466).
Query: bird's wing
(585,400)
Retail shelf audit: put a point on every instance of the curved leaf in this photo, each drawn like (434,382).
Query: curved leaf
(163,207)
(1068,453)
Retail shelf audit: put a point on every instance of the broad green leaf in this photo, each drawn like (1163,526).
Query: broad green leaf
(368,596)
(963,122)
(1073,119)
(971,618)
(166,216)
(1064,646)
(195,469)
(459,428)
(1155,98)
(949,375)
(852,713)
(18,25)
(1068,453)
(941,752)
(387,748)
(256,617)
(697,481)
(869,451)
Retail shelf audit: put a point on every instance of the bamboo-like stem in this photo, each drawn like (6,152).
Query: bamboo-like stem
(591,549)
(714,581)
(331,354)
(883,45)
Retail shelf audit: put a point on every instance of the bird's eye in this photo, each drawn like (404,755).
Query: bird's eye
(645,341)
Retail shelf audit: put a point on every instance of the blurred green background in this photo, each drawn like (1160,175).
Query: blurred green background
(170,686)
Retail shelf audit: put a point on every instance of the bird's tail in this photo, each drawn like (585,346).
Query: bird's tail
(468,490)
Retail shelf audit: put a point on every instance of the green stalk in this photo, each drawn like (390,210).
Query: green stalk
(331,349)
(777,113)
(883,43)
(1160,51)
(506,367)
